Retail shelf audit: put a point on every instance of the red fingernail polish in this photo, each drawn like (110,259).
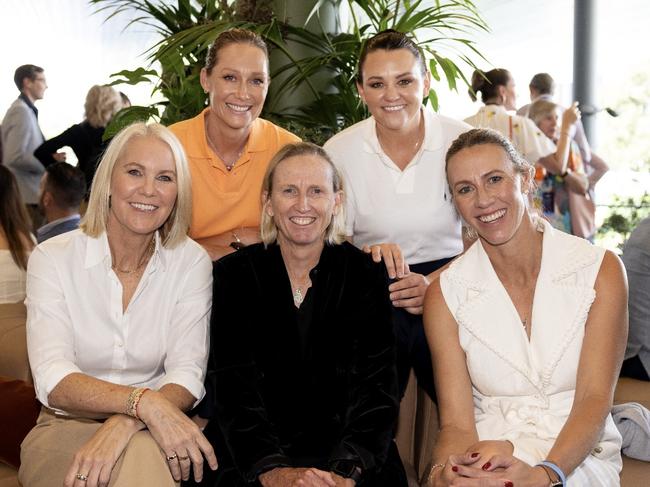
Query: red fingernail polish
(509,484)
(454,468)
(474,455)
(486,466)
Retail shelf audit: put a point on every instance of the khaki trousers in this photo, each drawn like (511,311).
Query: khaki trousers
(47,451)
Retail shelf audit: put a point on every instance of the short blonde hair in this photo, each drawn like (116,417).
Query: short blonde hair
(102,103)
(335,232)
(541,109)
(174,230)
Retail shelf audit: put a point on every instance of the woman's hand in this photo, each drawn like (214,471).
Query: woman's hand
(488,449)
(570,116)
(408,292)
(519,473)
(177,435)
(447,475)
(342,481)
(97,457)
(393,259)
(298,477)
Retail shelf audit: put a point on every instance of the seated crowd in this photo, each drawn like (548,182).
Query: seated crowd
(238,307)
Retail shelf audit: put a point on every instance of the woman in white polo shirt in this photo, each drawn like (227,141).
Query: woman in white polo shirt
(396,195)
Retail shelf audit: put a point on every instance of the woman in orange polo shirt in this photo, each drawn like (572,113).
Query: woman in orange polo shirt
(228,146)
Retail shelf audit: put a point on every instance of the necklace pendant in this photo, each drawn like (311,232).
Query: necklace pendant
(229,167)
(298,297)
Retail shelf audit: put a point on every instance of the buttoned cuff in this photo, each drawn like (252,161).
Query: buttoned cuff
(275,460)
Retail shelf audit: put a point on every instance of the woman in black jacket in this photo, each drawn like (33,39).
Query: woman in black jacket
(302,344)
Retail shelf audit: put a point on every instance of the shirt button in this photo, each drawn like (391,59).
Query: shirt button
(598,449)
(120,344)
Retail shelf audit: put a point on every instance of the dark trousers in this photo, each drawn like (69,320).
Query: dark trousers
(633,367)
(412,350)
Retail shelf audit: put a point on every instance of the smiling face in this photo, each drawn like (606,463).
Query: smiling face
(393,87)
(237,85)
(143,187)
(302,201)
(488,192)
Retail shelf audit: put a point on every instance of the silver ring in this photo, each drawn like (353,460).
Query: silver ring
(172,457)
(82,477)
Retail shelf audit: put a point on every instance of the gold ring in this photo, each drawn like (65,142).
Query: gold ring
(184,458)
(82,477)
(172,457)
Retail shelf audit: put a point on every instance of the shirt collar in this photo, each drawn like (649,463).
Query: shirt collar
(48,226)
(98,251)
(29,103)
(433,136)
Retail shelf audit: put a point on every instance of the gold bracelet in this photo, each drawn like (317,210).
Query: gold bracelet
(133,400)
(433,468)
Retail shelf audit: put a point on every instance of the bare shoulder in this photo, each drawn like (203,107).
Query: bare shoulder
(611,275)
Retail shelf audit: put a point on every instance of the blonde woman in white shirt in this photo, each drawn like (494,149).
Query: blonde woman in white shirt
(117,328)
(16,240)
(396,201)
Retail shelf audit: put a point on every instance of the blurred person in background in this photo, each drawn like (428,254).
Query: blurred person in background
(16,240)
(85,138)
(62,190)
(21,135)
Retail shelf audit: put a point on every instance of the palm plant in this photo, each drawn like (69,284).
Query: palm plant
(441,30)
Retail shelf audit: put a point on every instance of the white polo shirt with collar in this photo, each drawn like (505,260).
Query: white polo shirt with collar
(384,204)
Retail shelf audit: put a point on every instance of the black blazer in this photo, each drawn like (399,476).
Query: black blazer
(331,397)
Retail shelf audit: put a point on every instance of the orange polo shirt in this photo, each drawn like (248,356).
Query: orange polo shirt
(224,200)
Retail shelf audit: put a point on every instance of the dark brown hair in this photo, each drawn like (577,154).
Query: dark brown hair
(487,83)
(233,36)
(66,183)
(28,71)
(14,219)
(389,40)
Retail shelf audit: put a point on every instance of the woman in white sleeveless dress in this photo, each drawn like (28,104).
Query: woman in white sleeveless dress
(527,331)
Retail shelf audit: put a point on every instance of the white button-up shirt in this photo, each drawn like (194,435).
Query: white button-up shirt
(409,207)
(75,321)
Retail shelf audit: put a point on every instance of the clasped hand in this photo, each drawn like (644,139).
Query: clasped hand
(303,477)
(489,464)
(410,287)
(178,436)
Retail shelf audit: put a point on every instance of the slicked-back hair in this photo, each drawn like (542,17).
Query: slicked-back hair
(390,40)
(488,82)
(233,36)
(335,232)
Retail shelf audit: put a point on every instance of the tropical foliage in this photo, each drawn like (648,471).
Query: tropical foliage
(187,27)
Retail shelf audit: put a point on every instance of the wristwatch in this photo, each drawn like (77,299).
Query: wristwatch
(347,469)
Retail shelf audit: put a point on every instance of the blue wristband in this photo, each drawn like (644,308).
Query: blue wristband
(556,469)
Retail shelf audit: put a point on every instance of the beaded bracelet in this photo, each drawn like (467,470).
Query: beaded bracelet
(555,468)
(133,400)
